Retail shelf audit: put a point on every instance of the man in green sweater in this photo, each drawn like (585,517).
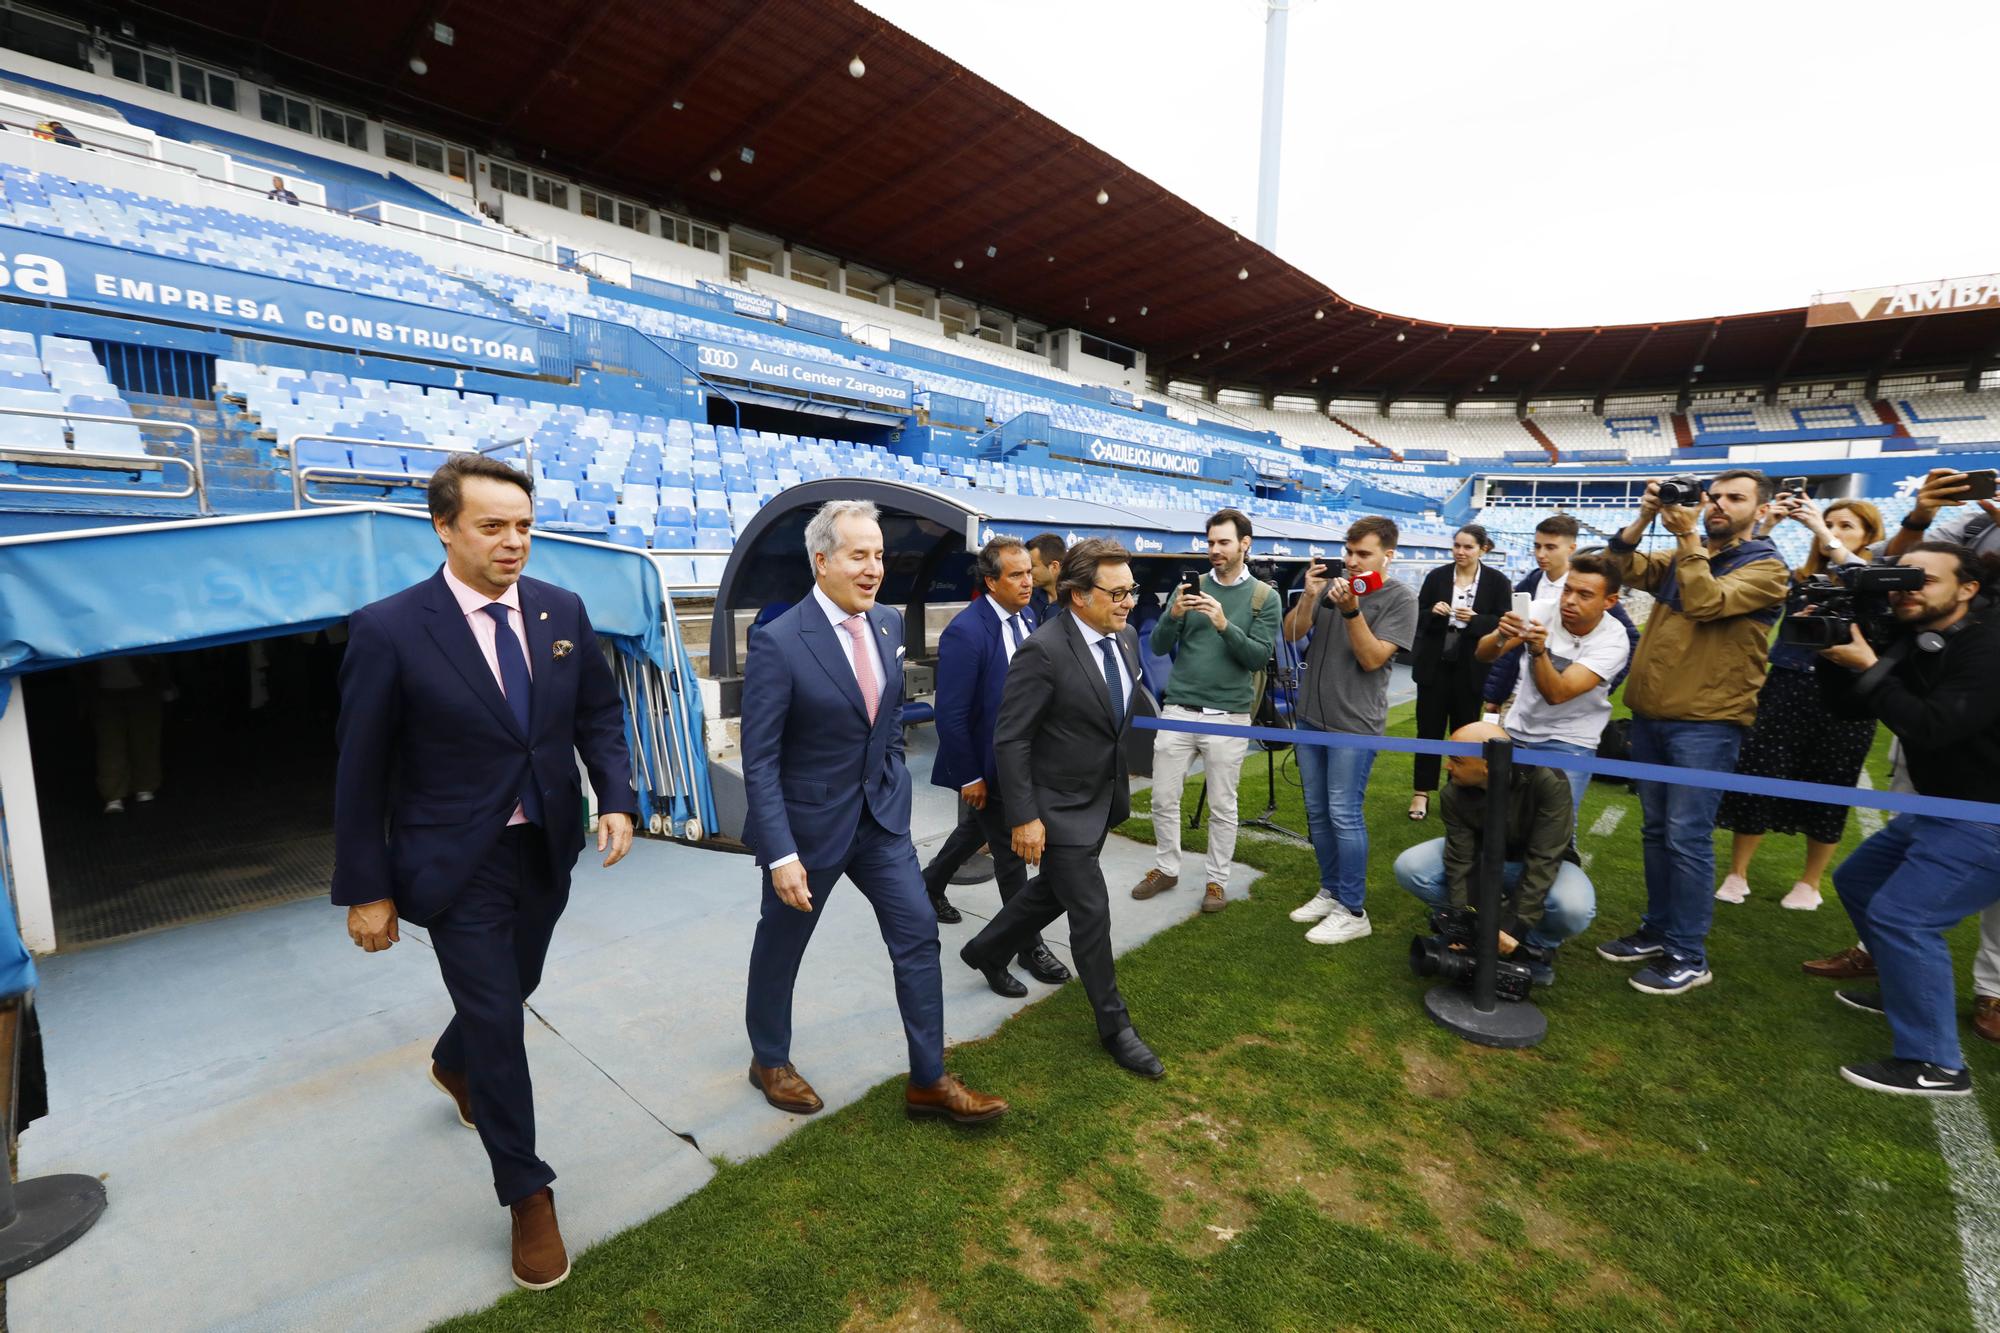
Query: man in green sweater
(1224,627)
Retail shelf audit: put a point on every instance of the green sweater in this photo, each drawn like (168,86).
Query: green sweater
(1218,670)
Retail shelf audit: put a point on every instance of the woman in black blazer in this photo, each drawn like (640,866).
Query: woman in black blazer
(1459,604)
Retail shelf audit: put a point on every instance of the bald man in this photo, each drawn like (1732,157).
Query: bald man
(1547,897)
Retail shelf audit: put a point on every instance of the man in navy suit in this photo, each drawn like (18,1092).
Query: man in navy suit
(828,796)
(973,653)
(464,702)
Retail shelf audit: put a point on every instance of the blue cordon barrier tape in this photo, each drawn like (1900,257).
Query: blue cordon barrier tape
(1897,802)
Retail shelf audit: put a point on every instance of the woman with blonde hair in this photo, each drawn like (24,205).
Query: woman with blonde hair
(1795,737)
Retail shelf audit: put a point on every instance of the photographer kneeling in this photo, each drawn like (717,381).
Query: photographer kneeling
(1931,683)
(1546,896)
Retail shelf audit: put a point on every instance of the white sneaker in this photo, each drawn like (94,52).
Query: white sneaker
(1340,927)
(114,806)
(1733,889)
(1803,898)
(142,797)
(1315,908)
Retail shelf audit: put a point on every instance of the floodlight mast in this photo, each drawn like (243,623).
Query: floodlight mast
(1276,14)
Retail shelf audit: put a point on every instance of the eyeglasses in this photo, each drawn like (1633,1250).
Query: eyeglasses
(1126,594)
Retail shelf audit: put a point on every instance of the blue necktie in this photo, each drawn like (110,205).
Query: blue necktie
(514,681)
(1113,684)
(1014,625)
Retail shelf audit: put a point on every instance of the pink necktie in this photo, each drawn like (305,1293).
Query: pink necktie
(864,669)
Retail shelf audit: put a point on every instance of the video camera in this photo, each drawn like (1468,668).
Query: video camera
(1846,596)
(1679,491)
(1450,952)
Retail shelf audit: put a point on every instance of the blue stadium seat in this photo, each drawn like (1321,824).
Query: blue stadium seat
(597,492)
(625,534)
(584,514)
(668,537)
(323,453)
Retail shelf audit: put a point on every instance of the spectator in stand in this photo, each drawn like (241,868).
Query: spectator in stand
(1045,551)
(56,132)
(1693,695)
(1355,639)
(1795,737)
(1931,683)
(1224,633)
(1944,488)
(1575,649)
(1462,602)
(280,193)
(1555,544)
(1547,898)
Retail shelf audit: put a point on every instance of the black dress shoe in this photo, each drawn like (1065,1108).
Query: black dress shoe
(1043,966)
(1133,1054)
(978,868)
(997,976)
(946,913)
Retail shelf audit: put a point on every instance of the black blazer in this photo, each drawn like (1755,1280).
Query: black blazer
(1061,760)
(1493,598)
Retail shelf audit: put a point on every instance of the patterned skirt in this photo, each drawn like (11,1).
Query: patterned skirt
(1796,738)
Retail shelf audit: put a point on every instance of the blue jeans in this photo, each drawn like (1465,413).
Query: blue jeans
(1569,908)
(1579,783)
(1903,888)
(1336,790)
(1678,830)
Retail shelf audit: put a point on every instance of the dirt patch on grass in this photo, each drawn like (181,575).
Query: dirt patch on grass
(1565,1125)
(1126,1308)
(1450,1192)
(1429,1076)
(1287,1161)
(918,1312)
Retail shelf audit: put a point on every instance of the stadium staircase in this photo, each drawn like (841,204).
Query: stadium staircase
(1542,438)
(1352,429)
(1683,432)
(1888,416)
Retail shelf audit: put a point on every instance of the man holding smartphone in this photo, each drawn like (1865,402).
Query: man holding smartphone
(1976,524)
(1358,622)
(1223,624)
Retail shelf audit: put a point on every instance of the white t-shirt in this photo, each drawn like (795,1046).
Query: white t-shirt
(1533,720)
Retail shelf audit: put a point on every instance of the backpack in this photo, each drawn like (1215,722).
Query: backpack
(1260,597)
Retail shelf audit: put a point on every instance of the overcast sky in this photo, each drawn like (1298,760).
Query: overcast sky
(1550,162)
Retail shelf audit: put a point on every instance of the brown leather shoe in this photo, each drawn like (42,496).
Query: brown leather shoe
(1847,965)
(540,1261)
(1212,900)
(454,1086)
(1986,1016)
(949,1099)
(784,1089)
(1155,882)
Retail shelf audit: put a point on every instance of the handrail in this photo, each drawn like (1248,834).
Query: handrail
(197,476)
(302,476)
(713,387)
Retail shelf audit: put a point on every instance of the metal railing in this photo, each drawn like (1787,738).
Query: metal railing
(303,473)
(197,478)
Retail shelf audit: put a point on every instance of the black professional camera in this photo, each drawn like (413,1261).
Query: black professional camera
(1847,596)
(1680,491)
(1451,953)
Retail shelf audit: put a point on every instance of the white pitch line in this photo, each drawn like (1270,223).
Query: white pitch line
(1871,820)
(1585,858)
(1967,1143)
(1608,821)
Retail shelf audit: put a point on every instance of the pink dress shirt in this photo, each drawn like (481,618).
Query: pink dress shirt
(474,603)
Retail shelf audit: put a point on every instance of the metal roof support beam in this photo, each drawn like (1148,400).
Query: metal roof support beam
(995,232)
(1618,375)
(1977,370)
(1890,358)
(591,19)
(932,214)
(1303,311)
(673,88)
(1682,395)
(853,146)
(741,135)
(904,180)
(1785,363)
(1547,377)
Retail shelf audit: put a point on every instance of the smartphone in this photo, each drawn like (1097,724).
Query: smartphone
(1523,602)
(1190,585)
(1796,485)
(1980,485)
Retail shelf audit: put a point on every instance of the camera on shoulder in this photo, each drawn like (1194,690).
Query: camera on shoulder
(1847,596)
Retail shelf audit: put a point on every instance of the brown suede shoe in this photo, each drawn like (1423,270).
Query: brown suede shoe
(1986,1016)
(540,1261)
(1847,965)
(1212,900)
(453,1086)
(949,1099)
(784,1089)
(1155,882)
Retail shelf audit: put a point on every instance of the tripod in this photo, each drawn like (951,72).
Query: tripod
(1275,708)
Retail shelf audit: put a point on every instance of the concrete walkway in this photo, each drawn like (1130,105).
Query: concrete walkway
(253,1090)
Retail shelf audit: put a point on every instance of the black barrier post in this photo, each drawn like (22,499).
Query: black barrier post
(42,1216)
(1478,1016)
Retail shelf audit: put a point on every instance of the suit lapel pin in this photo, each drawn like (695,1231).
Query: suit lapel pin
(563,647)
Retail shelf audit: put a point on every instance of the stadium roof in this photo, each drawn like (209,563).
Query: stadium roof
(922,166)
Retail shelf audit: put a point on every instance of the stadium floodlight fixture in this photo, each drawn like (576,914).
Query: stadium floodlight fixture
(1534,347)
(1142,312)
(748,155)
(715,173)
(1242,273)
(1104,196)
(958,263)
(1319,314)
(419,66)
(856,68)
(992,251)
(1111,319)
(1225,344)
(1400,335)
(1493,379)
(680,106)
(443,33)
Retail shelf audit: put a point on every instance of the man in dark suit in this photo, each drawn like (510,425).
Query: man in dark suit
(828,796)
(1045,555)
(464,702)
(1060,742)
(973,653)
